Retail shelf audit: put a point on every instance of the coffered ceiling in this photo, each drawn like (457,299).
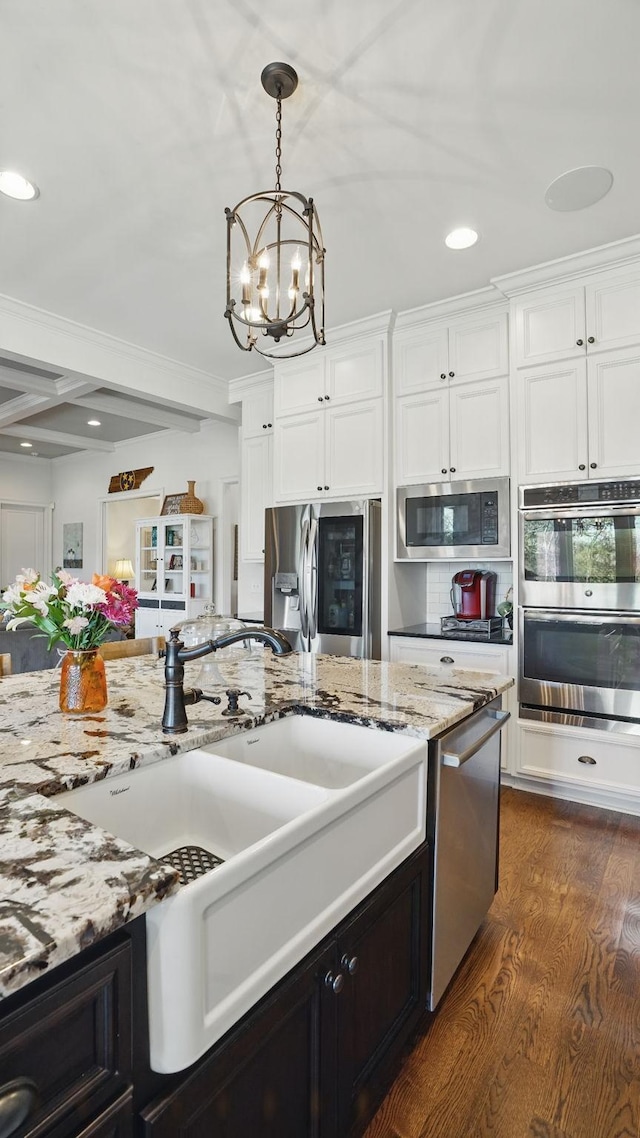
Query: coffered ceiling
(141,121)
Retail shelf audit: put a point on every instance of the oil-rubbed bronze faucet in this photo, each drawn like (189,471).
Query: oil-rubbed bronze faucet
(174,719)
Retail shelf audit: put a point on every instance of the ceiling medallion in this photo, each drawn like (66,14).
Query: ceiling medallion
(275,257)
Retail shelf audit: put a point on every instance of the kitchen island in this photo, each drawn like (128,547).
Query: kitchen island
(66,883)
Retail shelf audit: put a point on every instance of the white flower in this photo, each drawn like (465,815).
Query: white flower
(67,578)
(15,621)
(40,597)
(75,624)
(13,595)
(28,577)
(82,595)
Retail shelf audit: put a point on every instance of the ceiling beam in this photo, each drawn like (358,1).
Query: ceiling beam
(114,405)
(20,381)
(59,438)
(21,407)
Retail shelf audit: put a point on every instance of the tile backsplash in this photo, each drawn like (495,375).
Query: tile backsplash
(439,583)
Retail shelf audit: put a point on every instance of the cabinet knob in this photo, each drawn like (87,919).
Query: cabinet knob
(447,660)
(17,1100)
(444,470)
(587,760)
(319,487)
(320,399)
(326,487)
(593,465)
(336,983)
(452,469)
(350,964)
(264,426)
(582,466)
(451,374)
(269,424)
(579,343)
(588,592)
(443,375)
(327,397)
(591,339)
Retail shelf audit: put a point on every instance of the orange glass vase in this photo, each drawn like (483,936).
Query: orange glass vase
(83,683)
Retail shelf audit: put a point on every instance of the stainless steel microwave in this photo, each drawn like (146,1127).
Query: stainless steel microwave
(453,520)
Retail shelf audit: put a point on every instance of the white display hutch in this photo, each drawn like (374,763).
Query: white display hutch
(174,570)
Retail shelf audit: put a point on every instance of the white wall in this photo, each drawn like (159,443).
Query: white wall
(80,481)
(25,480)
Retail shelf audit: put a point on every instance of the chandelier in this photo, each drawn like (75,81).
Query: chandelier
(275,257)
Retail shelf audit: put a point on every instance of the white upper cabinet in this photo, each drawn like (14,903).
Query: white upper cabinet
(452,399)
(344,374)
(579,419)
(613,385)
(564,323)
(551,416)
(255,493)
(479,429)
(329,422)
(437,354)
(334,452)
(257,412)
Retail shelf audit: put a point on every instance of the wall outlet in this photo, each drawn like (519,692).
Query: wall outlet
(256,587)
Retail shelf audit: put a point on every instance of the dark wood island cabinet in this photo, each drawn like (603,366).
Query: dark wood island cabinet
(311,1060)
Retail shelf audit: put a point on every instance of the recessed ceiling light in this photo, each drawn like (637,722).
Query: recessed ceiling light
(94,423)
(15,186)
(461,238)
(579,188)
(26,444)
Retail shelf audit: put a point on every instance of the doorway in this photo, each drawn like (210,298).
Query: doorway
(119,514)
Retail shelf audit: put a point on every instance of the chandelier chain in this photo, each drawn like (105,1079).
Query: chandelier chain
(278,142)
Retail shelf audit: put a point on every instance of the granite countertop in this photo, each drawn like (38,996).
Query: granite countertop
(66,883)
(433,631)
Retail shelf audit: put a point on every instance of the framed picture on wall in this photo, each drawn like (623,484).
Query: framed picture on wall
(72,545)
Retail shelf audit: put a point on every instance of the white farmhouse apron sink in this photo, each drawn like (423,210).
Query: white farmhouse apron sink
(298,855)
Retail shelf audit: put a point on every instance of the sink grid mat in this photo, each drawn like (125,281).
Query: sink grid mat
(191,862)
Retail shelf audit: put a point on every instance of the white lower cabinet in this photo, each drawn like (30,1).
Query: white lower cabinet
(569,760)
(158,622)
(455,654)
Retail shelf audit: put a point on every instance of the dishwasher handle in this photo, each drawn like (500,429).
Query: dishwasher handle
(452,759)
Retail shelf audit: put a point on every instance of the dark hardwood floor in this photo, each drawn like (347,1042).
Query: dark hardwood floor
(539,1034)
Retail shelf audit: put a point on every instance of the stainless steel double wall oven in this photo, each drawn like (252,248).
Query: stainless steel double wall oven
(579,596)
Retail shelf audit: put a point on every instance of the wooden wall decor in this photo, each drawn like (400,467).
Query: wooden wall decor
(129,479)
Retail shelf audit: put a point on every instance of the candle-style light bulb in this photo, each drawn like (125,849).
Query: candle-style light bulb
(263,265)
(245,281)
(295,275)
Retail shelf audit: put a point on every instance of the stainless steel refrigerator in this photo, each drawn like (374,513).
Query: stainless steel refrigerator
(322,576)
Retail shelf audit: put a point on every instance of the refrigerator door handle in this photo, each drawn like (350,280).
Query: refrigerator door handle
(302,573)
(311,583)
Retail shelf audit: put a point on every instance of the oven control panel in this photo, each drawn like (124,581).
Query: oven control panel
(580,493)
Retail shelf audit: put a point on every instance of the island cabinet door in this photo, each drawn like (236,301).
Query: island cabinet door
(269,1077)
(381,957)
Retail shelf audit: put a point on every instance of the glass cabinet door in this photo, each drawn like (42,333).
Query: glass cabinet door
(174,554)
(148,558)
(200,557)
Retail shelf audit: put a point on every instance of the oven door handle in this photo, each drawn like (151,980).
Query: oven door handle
(579,616)
(455,759)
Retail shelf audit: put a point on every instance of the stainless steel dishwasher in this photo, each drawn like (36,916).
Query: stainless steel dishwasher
(464,786)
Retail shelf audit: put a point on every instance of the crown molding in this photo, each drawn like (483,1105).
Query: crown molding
(616,255)
(379,324)
(485,300)
(248,384)
(34,333)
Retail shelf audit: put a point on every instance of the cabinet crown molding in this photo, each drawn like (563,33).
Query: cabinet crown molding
(482,301)
(624,254)
(380,324)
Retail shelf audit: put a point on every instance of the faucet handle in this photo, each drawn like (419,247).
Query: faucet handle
(233,695)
